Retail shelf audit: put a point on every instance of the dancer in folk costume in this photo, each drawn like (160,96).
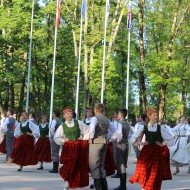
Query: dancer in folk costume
(87,120)
(8,128)
(74,156)
(153,164)
(179,152)
(2,135)
(56,122)
(23,153)
(121,137)
(98,146)
(42,146)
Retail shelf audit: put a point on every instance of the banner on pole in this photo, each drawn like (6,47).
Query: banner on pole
(129,17)
(83,9)
(107,12)
(58,13)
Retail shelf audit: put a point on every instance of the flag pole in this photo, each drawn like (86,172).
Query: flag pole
(129,25)
(53,69)
(104,52)
(78,73)
(29,61)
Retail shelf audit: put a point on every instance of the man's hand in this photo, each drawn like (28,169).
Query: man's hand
(159,144)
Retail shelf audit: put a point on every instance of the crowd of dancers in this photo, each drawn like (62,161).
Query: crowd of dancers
(97,146)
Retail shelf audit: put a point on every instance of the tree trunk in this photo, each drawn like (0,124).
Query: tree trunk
(142,91)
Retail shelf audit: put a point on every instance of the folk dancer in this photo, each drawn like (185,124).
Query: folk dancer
(56,122)
(8,129)
(179,152)
(23,152)
(74,155)
(153,164)
(42,146)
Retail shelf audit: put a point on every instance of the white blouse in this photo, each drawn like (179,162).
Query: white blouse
(59,136)
(34,128)
(165,132)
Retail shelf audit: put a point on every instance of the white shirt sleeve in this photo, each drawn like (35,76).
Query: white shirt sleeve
(167,135)
(59,136)
(52,127)
(84,130)
(187,127)
(93,124)
(4,126)
(131,132)
(17,131)
(117,136)
(137,133)
(35,129)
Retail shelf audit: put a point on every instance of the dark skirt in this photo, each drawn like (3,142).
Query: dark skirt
(109,164)
(74,158)
(23,152)
(43,150)
(3,146)
(152,167)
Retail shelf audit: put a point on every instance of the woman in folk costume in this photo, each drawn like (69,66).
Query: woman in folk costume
(74,156)
(2,135)
(179,152)
(42,146)
(153,162)
(23,152)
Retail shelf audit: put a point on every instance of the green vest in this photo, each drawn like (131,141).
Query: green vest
(72,133)
(152,137)
(44,131)
(25,129)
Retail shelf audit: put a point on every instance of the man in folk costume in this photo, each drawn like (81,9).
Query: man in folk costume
(179,151)
(23,152)
(99,127)
(56,122)
(153,164)
(87,120)
(42,146)
(8,129)
(74,156)
(2,135)
(32,118)
(121,137)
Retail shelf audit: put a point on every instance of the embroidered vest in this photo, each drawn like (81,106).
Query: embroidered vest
(72,133)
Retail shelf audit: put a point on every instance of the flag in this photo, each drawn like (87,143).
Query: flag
(83,8)
(107,12)
(58,13)
(129,17)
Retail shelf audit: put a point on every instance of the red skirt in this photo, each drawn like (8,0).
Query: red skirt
(3,146)
(74,158)
(152,167)
(43,150)
(109,164)
(23,152)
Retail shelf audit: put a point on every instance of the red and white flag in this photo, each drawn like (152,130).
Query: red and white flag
(129,17)
(58,13)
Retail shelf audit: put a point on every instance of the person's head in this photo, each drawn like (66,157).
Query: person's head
(111,116)
(88,112)
(115,115)
(68,114)
(56,113)
(14,115)
(122,113)
(152,115)
(143,117)
(10,112)
(24,116)
(44,119)
(3,114)
(182,119)
(99,108)
(31,116)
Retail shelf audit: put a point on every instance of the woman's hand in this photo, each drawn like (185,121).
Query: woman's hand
(66,139)
(159,144)
(144,143)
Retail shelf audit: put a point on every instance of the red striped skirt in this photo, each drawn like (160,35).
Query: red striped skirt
(23,152)
(109,164)
(152,167)
(3,146)
(74,158)
(43,150)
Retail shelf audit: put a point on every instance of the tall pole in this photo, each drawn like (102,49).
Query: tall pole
(53,69)
(29,61)
(129,26)
(80,44)
(104,51)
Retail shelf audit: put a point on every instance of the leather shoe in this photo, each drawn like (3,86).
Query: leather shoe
(115,176)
